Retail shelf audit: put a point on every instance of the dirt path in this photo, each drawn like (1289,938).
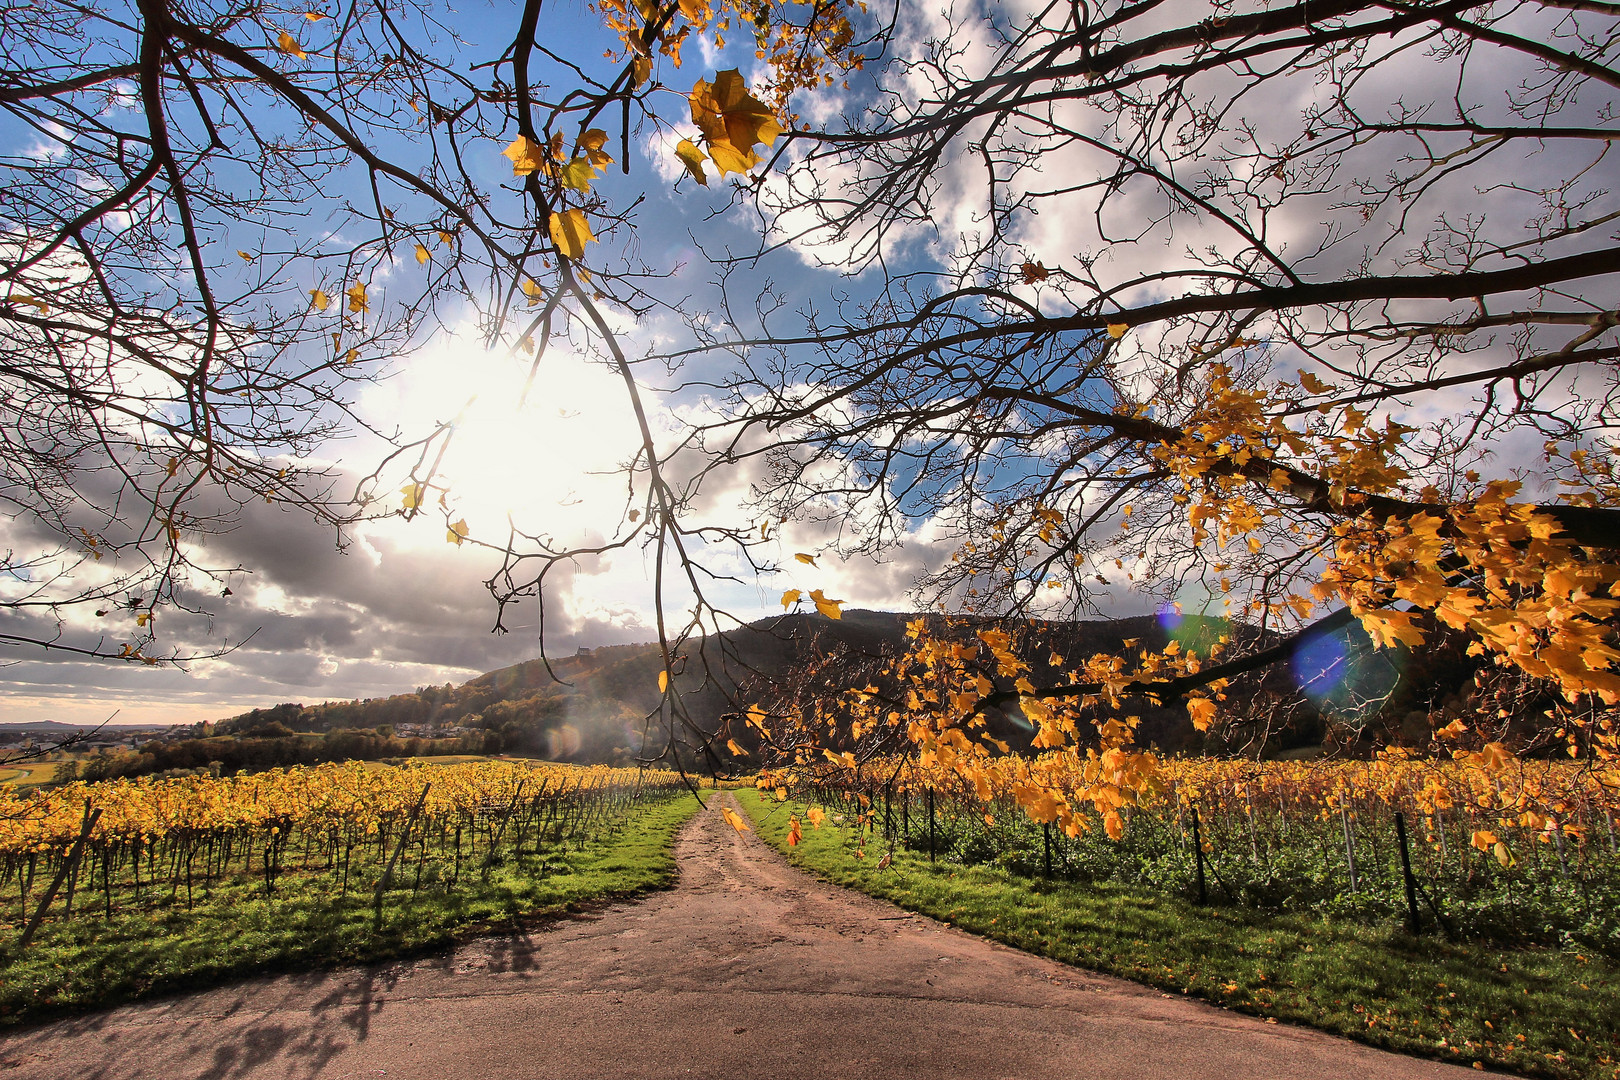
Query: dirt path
(748,969)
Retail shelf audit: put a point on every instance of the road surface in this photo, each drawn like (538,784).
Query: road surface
(749,968)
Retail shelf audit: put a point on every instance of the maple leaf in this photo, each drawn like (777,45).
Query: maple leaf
(414,494)
(456,533)
(693,158)
(591,144)
(422,255)
(732,121)
(357,298)
(526,155)
(1202,711)
(791,597)
(570,232)
(288,44)
(319,300)
(829,608)
(578,174)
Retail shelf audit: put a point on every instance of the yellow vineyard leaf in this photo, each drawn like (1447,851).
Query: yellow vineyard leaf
(319,300)
(357,298)
(570,233)
(830,608)
(791,597)
(733,820)
(816,816)
(289,45)
(526,155)
(456,533)
(422,255)
(693,158)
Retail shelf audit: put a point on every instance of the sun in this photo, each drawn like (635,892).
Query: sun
(550,461)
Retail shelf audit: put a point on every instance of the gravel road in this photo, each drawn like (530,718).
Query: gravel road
(749,968)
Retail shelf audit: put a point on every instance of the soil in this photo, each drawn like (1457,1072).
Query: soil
(748,968)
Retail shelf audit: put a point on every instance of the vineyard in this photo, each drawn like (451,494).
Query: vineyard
(121,888)
(1503,850)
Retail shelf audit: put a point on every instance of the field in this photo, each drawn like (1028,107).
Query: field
(122,889)
(1303,915)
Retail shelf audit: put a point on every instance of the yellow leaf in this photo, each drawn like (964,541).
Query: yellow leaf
(448,239)
(829,608)
(351,356)
(456,533)
(733,820)
(570,232)
(319,300)
(732,121)
(641,69)
(591,143)
(794,833)
(790,598)
(532,290)
(526,155)
(1116,330)
(1113,825)
(316,16)
(414,494)
(422,255)
(143,618)
(289,45)
(357,297)
(1202,711)
(816,816)
(663,681)
(735,747)
(245,256)
(802,557)
(693,159)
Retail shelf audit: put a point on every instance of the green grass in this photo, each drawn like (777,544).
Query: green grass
(1550,1013)
(90,962)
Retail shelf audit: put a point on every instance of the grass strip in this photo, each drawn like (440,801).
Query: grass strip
(91,962)
(1537,1012)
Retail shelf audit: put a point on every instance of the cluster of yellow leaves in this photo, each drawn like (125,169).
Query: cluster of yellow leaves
(1497,799)
(803,46)
(352,797)
(1532,597)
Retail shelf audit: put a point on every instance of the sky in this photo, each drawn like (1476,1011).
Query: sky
(390,605)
